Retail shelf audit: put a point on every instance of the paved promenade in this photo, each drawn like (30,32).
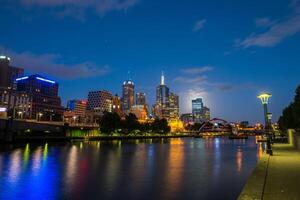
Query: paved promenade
(276,177)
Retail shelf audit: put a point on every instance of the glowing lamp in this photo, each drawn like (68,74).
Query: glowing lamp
(264,97)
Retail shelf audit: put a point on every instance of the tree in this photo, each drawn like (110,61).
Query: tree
(131,123)
(110,122)
(160,126)
(290,117)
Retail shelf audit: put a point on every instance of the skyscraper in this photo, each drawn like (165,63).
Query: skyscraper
(8,74)
(199,111)
(140,99)
(128,96)
(162,99)
(174,106)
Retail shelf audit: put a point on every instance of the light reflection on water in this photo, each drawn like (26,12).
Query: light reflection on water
(138,169)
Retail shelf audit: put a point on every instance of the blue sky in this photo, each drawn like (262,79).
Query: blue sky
(224,51)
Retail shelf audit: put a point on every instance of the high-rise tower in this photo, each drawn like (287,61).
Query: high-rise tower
(128,95)
(162,99)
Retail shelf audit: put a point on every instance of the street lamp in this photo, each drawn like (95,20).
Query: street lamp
(39,116)
(264,97)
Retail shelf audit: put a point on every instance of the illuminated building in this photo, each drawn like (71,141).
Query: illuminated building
(15,103)
(140,99)
(45,99)
(140,112)
(176,125)
(187,118)
(99,102)
(128,96)
(116,105)
(8,74)
(199,111)
(174,106)
(78,107)
(162,100)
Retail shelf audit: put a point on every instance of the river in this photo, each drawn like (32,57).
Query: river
(182,168)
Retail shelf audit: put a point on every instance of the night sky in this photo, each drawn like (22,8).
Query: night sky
(224,51)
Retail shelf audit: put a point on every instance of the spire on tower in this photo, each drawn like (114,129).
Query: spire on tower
(162,78)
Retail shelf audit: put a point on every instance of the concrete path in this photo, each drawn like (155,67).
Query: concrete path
(276,177)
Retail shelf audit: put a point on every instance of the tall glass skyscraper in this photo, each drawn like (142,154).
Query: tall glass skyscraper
(128,96)
(162,99)
(199,111)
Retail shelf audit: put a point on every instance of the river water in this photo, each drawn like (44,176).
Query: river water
(184,168)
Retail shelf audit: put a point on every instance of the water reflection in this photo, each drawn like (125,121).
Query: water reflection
(138,169)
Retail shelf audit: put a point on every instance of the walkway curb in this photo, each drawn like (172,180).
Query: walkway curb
(254,188)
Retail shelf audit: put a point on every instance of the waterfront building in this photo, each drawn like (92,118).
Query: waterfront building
(8,74)
(46,104)
(162,100)
(99,102)
(16,104)
(200,112)
(127,95)
(116,105)
(174,106)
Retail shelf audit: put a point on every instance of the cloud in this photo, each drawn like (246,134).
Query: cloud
(197,70)
(264,22)
(191,80)
(199,25)
(276,32)
(78,8)
(50,64)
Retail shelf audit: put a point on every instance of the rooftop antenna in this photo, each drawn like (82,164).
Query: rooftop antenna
(128,76)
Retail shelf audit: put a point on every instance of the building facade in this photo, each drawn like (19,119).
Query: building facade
(140,99)
(78,107)
(46,104)
(127,96)
(200,112)
(162,100)
(15,104)
(116,105)
(8,74)
(99,102)
(174,106)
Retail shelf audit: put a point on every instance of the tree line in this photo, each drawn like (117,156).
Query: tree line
(112,123)
(290,118)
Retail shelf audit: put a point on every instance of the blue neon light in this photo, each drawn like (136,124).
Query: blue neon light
(22,78)
(46,80)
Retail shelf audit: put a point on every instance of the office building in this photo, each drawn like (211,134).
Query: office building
(99,102)
(8,74)
(116,105)
(174,106)
(199,111)
(78,107)
(162,100)
(46,104)
(127,96)
(15,104)
(140,99)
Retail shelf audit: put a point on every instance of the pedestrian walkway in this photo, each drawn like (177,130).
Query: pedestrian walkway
(276,177)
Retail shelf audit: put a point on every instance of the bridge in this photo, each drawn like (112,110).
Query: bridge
(9,129)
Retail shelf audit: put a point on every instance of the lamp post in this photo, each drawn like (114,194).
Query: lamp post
(264,97)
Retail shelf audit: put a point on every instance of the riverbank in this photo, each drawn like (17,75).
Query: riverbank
(277,176)
(92,138)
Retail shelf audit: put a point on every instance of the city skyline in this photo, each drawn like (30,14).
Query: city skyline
(199,60)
